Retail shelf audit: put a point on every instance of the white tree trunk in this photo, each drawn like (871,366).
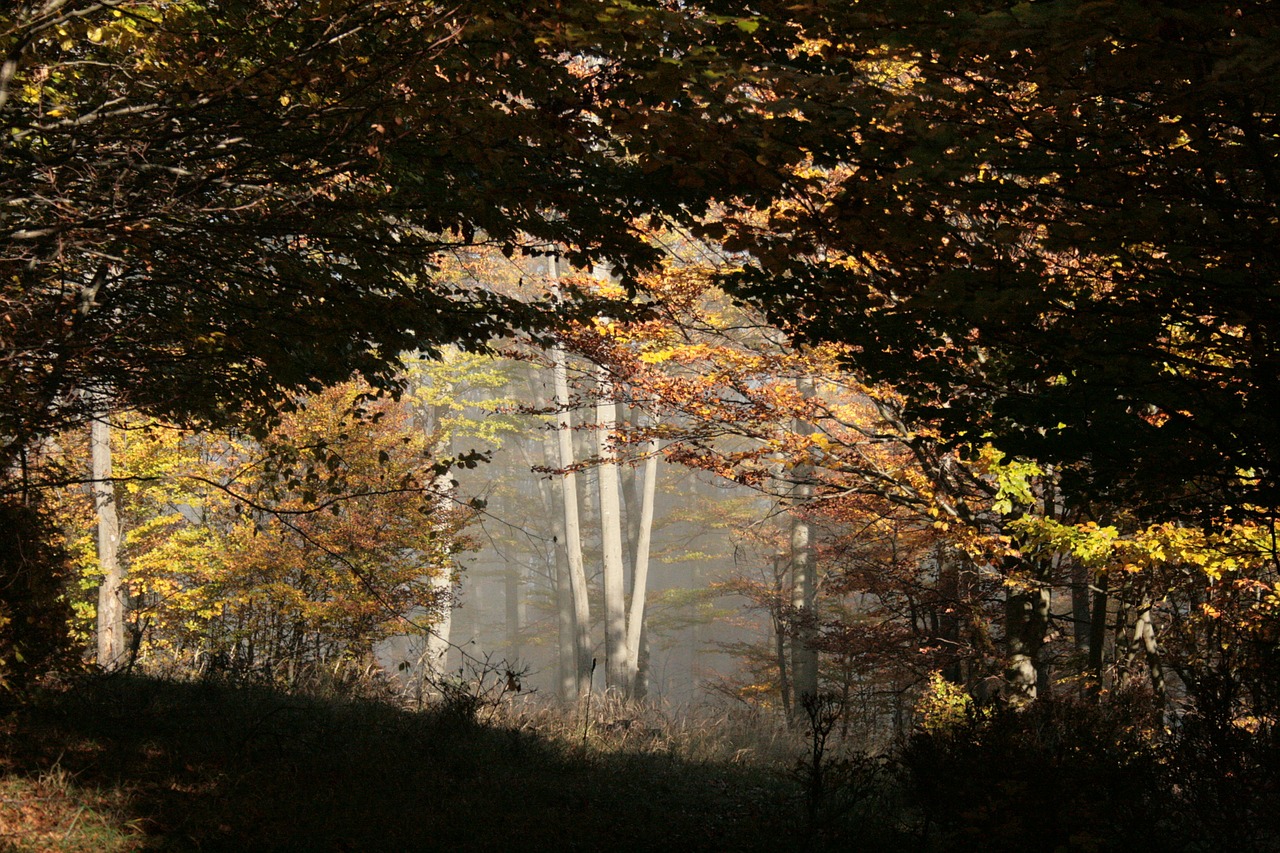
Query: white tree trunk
(558,567)
(572,524)
(640,578)
(112,644)
(617,666)
(804,581)
(436,652)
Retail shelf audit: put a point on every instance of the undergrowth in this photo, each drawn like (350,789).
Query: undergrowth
(135,764)
(124,764)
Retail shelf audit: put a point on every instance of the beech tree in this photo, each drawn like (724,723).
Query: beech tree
(1052,223)
(206,203)
(112,597)
(282,556)
(211,208)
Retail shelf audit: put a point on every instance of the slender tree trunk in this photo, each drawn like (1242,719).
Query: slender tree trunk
(617,666)
(513,607)
(632,480)
(1098,636)
(804,581)
(511,598)
(643,665)
(558,571)
(1120,631)
(572,524)
(780,637)
(439,638)
(1144,633)
(948,607)
(640,573)
(567,657)
(112,644)
(1081,620)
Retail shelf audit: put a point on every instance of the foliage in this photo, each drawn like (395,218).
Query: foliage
(1059,775)
(285,558)
(177,173)
(1049,226)
(723,391)
(942,707)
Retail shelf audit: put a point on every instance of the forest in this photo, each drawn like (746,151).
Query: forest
(639,424)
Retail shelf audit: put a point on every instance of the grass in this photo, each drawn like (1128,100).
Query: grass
(129,764)
(121,764)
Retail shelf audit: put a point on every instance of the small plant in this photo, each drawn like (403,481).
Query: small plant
(823,712)
(943,707)
(473,692)
(834,784)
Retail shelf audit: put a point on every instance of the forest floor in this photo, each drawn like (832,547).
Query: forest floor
(125,764)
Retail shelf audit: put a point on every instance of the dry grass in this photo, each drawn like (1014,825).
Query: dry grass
(51,812)
(697,734)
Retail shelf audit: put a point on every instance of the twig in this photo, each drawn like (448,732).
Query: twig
(75,820)
(586,719)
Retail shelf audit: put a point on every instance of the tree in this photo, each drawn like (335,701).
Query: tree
(112,596)
(577,574)
(215,207)
(804,571)
(618,668)
(643,536)
(289,556)
(1053,224)
(174,173)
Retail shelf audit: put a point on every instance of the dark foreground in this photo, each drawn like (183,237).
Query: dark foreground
(131,764)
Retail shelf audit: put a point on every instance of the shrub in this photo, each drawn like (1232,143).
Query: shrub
(1058,775)
(34,614)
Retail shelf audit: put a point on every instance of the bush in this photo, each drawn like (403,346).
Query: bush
(1224,784)
(1058,775)
(34,613)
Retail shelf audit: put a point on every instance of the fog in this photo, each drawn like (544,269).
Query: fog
(504,600)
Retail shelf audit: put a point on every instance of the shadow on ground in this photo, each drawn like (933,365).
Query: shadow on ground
(195,766)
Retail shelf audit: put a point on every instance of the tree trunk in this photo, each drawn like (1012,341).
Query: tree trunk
(572,524)
(435,655)
(618,670)
(640,572)
(511,598)
(948,610)
(780,637)
(1081,621)
(112,602)
(1026,626)
(566,635)
(1098,636)
(804,581)
(558,571)
(1144,633)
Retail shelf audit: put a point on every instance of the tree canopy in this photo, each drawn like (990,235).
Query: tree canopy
(207,202)
(1051,225)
